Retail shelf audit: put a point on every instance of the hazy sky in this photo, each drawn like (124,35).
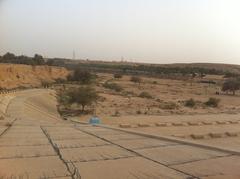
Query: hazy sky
(158,31)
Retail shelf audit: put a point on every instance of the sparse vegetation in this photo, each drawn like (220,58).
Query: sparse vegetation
(117,75)
(113,86)
(212,102)
(190,103)
(145,94)
(168,106)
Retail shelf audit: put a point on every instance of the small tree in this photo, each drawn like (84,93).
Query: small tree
(81,76)
(83,96)
(231,85)
(45,84)
(38,60)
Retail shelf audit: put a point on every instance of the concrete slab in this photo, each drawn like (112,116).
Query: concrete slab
(94,153)
(104,131)
(223,167)
(23,142)
(66,136)
(121,137)
(130,168)
(77,143)
(38,167)
(232,143)
(26,151)
(9,134)
(171,155)
(143,143)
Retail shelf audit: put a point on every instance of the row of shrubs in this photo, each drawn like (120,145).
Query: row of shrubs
(211,102)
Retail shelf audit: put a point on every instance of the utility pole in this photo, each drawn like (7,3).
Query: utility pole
(74,55)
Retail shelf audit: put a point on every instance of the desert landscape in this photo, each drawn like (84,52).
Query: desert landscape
(143,122)
(120,89)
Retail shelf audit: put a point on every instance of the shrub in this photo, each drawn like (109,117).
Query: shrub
(212,102)
(138,112)
(145,94)
(169,106)
(117,75)
(190,103)
(136,79)
(113,86)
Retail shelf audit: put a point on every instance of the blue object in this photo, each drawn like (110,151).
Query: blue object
(94,120)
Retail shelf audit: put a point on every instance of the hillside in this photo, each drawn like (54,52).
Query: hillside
(13,76)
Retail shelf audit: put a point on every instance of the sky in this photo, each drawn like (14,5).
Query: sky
(151,31)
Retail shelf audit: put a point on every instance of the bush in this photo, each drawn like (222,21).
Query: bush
(136,79)
(169,106)
(190,103)
(117,75)
(212,102)
(145,94)
(113,86)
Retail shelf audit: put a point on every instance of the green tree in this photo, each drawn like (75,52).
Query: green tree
(231,85)
(83,96)
(81,76)
(38,59)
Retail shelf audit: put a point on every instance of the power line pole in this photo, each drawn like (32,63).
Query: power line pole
(74,55)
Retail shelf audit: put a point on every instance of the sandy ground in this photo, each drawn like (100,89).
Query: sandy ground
(168,99)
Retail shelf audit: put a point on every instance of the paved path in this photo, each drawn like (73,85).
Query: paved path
(38,144)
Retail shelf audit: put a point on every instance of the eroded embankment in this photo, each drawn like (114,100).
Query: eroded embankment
(14,76)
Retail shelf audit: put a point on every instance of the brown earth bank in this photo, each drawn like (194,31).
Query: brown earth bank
(15,76)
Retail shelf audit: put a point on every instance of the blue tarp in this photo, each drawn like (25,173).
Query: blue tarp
(94,120)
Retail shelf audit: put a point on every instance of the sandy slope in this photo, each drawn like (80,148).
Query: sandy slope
(12,76)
